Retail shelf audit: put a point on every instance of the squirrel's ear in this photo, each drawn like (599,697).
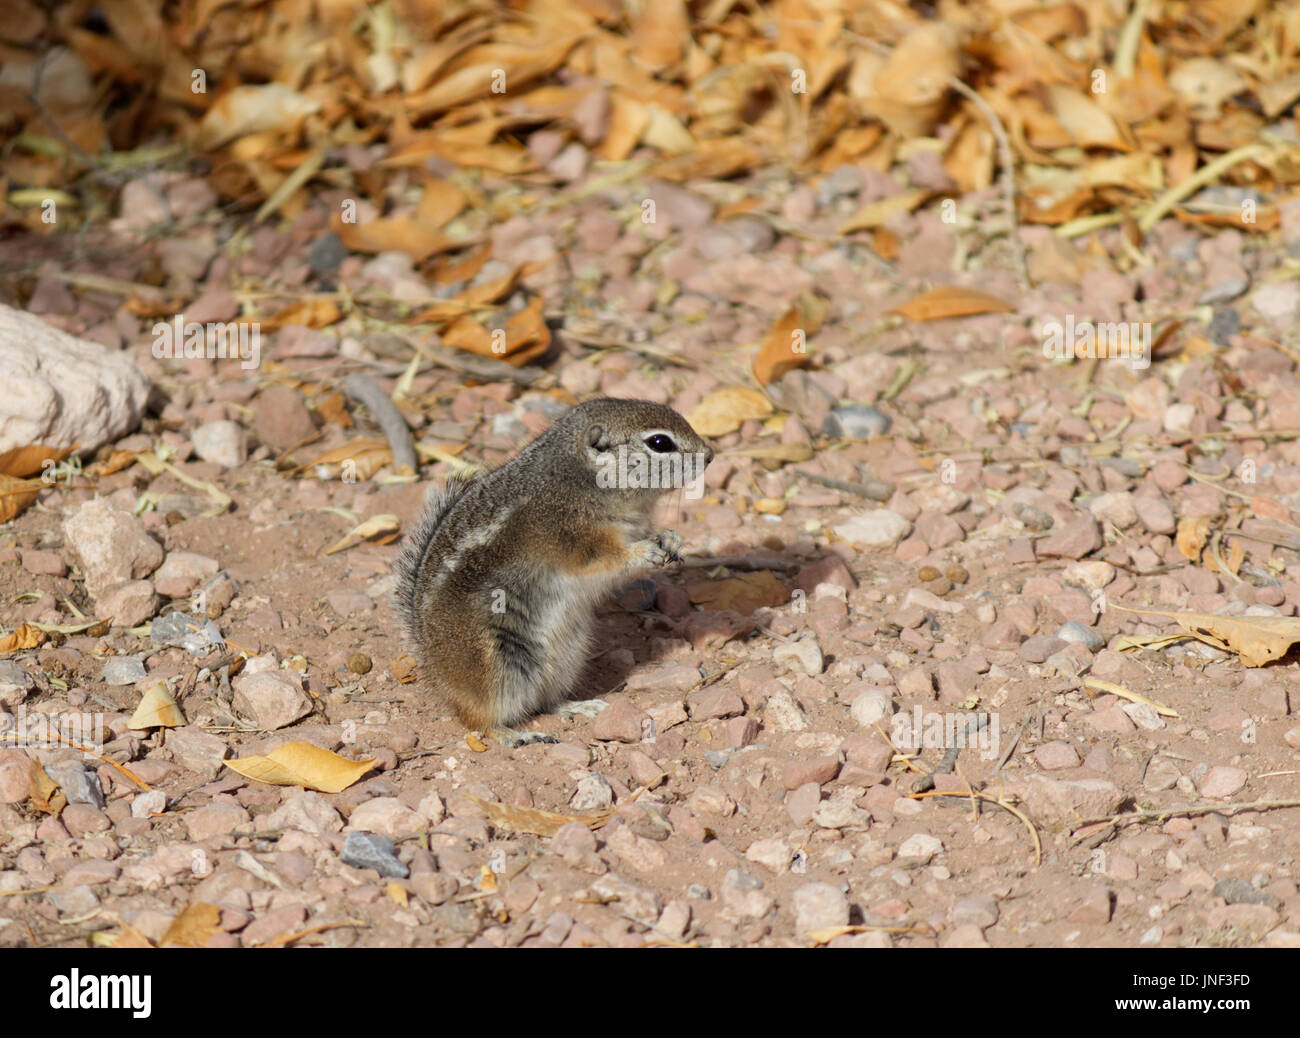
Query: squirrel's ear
(596,439)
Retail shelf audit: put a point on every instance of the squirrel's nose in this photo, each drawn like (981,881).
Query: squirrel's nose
(708,454)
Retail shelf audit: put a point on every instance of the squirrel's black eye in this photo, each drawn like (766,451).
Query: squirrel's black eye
(661,444)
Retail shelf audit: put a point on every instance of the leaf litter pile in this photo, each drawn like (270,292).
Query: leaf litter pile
(848,242)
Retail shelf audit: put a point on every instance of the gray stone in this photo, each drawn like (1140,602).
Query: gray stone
(15,683)
(371,851)
(1080,635)
(123,670)
(79,784)
(855,422)
(190,633)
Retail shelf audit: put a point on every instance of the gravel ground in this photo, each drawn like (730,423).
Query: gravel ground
(740,779)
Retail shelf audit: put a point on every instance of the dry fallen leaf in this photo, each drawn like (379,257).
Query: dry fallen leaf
(302,764)
(27,636)
(45,794)
(397,234)
(951,301)
(357,460)
(534,820)
(876,213)
(724,410)
(21,462)
(786,345)
(1192,534)
(313,313)
(1255,639)
(267,108)
(16,495)
(193,927)
(157,709)
(741,594)
(376,528)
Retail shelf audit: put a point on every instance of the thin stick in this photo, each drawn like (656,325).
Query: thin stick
(365,390)
(1176,812)
(1007,161)
(1033,832)
(875,490)
(1211,171)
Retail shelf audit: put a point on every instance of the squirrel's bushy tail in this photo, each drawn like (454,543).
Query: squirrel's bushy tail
(411,557)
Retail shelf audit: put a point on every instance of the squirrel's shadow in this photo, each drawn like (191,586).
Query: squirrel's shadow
(630,620)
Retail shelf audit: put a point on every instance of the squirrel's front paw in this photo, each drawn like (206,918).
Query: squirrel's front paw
(659,548)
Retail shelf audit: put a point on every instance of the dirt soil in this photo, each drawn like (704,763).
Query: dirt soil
(739,788)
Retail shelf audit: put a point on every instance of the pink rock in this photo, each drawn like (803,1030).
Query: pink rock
(1223,781)
(1053,756)
(49,563)
(1072,541)
(819,771)
(620,722)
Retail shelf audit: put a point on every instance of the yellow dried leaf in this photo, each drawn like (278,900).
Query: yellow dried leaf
(31,460)
(441,203)
(1083,119)
(785,346)
(1192,534)
(157,709)
(193,927)
(27,636)
(268,108)
(302,764)
(396,234)
(375,528)
(45,794)
(533,820)
(314,313)
(359,459)
(724,410)
(1255,639)
(877,213)
(397,893)
(951,301)
(16,495)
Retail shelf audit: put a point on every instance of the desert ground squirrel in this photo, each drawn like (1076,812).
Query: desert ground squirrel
(499,580)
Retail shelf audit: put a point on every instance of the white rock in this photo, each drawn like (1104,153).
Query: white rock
(223,442)
(270,698)
(803,655)
(919,848)
(776,854)
(592,793)
(879,529)
(784,714)
(307,811)
(112,545)
(61,390)
(872,707)
(820,906)
(387,816)
(15,683)
(840,814)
